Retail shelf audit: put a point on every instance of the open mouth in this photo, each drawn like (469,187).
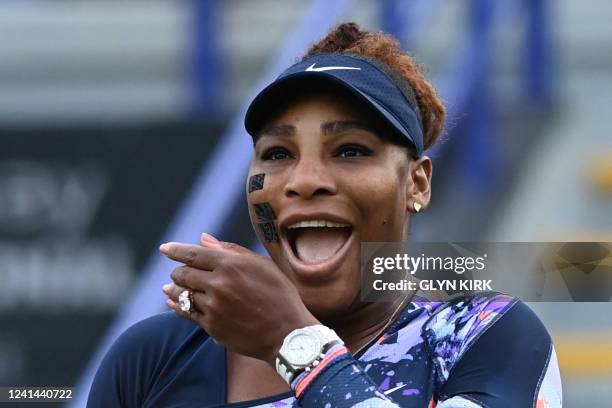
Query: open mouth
(315,242)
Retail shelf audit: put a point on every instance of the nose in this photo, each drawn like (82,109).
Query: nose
(310,178)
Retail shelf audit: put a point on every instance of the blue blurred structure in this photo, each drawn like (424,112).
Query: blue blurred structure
(207,64)
(396,19)
(478,158)
(464,86)
(539,72)
(482,148)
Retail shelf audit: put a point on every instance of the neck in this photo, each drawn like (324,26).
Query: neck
(364,321)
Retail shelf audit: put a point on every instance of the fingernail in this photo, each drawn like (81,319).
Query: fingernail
(170,303)
(209,238)
(164,247)
(166,287)
(210,241)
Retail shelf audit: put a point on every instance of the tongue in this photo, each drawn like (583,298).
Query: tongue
(315,245)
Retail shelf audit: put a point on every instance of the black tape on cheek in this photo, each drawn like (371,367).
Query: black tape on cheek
(266,216)
(264,212)
(256,182)
(268,231)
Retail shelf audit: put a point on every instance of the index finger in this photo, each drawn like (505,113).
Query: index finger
(192,255)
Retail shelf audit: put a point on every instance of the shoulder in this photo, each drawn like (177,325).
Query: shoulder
(457,326)
(165,327)
(155,335)
(497,344)
(138,356)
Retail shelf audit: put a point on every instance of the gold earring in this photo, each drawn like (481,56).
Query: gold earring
(417,207)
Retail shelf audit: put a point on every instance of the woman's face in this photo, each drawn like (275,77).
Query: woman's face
(330,182)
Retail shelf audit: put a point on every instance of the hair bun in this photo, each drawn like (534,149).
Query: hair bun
(339,39)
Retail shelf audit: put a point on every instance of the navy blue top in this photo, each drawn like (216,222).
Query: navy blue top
(485,351)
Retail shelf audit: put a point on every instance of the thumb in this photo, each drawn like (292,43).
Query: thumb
(209,241)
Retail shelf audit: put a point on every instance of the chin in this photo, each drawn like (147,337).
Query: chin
(333,299)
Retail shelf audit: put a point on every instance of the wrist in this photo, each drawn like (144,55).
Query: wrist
(303,349)
(283,332)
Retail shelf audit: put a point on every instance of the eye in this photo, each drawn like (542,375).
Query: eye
(353,151)
(276,153)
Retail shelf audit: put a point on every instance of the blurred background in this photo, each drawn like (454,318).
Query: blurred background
(121,128)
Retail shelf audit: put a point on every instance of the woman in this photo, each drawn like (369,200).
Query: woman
(339,140)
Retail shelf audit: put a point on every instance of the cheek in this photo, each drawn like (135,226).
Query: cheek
(380,199)
(265,218)
(256,182)
(260,198)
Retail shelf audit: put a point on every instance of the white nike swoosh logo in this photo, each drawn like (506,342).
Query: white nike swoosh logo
(321,69)
(389,391)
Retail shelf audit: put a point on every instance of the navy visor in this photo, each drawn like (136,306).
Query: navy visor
(366,81)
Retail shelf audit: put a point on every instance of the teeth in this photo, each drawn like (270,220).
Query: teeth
(318,223)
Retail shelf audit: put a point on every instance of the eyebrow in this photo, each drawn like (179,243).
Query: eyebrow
(276,130)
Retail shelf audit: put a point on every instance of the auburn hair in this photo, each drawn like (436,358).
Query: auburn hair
(385,52)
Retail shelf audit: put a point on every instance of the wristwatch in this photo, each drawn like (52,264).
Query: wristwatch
(303,349)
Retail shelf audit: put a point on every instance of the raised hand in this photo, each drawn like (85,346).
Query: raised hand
(242,299)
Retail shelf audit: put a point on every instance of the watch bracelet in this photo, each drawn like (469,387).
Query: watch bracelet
(282,367)
(327,348)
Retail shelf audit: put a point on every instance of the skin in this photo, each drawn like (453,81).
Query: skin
(323,157)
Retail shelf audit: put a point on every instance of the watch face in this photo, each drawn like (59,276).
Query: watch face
(302,349)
